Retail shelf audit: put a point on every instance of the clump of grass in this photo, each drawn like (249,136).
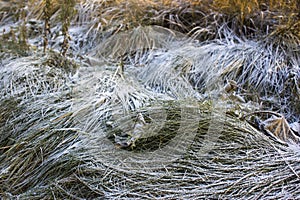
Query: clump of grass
(238,144)
(22,76)
(262,72)
(38,161)
(285,37)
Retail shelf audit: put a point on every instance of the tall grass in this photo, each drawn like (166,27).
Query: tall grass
(200,19)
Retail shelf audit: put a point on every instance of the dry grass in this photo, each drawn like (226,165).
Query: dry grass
(199,17)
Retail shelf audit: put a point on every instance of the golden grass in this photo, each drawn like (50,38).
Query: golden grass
(201,18)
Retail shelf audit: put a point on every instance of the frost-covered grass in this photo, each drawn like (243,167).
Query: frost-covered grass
(171,100)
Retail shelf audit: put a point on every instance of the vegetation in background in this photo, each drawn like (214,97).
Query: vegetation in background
(47,16)
(202,19)
(66,14)
(23,29)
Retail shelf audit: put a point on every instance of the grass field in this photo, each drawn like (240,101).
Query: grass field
(115,99)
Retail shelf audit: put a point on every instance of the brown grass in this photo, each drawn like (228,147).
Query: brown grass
(202,19)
